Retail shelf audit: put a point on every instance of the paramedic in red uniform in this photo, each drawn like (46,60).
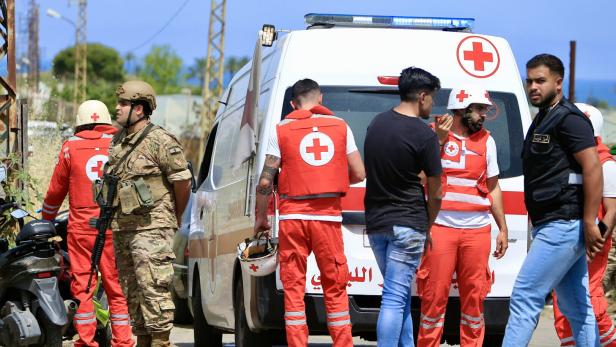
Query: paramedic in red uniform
(318,158)
(80,162)
(461,236)
(598,265)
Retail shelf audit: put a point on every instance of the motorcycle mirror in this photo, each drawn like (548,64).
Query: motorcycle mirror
(19,213)
(3,172)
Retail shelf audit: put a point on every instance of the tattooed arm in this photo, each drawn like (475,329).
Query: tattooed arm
(264,190)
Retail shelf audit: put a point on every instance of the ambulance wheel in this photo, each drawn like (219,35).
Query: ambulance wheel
(204,334)
(493,340)
(244,337)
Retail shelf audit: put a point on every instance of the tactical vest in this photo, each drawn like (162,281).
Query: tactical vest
(552,177)
(464,175)
(313,154)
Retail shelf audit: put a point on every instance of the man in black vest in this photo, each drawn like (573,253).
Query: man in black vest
(563,184)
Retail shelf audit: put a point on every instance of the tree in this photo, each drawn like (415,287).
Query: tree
(105,71)
(103,63)
(234,64)
(161,68)
(197,71)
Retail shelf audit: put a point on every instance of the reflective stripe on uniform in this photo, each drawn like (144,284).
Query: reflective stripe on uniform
(84,321)
(338,314)
(295,322)
(467,198)
(463,182)
(120,322)
(432,319)
(338,323)
(294,314)
(474,326)
(608,333)
(118,316)
(472,318)
(431,326)
(83,315)
(566,340)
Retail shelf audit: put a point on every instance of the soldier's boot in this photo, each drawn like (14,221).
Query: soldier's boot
(161,339)
(144,341)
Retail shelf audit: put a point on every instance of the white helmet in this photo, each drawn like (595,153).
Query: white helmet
(461,98)
(93,112)
(595,116)
(258,257)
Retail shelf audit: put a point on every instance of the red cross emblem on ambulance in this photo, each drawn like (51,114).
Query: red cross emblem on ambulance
(94,166)
(316,149)
(478,56)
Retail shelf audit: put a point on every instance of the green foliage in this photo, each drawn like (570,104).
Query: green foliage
(17,188)
(161,68)
(234,64)
(104,63)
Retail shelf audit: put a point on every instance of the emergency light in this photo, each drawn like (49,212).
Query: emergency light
(349,20)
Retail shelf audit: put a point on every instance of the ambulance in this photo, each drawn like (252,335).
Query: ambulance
(356,60)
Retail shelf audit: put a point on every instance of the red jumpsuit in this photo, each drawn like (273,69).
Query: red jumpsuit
(596,271)
(81,160)
(463,249)
(314,175)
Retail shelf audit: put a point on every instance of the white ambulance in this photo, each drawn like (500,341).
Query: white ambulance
(356,60)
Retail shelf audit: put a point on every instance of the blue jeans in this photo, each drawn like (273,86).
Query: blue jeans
(556,260)
(397,253)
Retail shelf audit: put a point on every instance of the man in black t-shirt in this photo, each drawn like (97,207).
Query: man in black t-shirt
(563,185)
(398,146)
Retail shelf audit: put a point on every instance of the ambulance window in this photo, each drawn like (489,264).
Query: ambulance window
(224,171)
(204,168)
(358,106)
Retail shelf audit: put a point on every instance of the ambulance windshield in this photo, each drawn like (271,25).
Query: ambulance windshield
(358,106)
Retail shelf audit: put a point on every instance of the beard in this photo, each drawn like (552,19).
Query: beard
(546,101)
(473,126)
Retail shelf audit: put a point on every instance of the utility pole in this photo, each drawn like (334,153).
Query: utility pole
(214,68)
(33,46)
(81,54)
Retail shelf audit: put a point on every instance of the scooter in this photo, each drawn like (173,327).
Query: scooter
(32,312)
(101,306)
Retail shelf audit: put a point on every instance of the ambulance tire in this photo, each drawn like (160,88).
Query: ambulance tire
(204,334)
(493,340)
(244,337)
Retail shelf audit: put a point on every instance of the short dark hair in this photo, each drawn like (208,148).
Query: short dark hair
(302,88)
(414,80)
(552,62)
(147,111)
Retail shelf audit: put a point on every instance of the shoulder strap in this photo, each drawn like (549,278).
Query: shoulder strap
(145,132)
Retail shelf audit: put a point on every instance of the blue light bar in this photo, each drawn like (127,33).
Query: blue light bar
(350,20)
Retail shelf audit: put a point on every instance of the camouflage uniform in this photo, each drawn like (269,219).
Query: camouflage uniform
(143,238)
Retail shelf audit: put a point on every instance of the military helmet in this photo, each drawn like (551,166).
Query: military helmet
(92,112)
(137,91)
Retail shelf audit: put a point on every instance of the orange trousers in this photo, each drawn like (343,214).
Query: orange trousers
(297,238)
(596,271)
(80,252)
(465,251)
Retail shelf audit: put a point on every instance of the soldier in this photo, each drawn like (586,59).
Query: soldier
(154,186)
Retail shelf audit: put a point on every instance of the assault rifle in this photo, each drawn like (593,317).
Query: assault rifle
(107,184)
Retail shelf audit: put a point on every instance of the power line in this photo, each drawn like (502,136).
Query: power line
(177,12)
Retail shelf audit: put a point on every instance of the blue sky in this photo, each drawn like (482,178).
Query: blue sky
(530,26)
